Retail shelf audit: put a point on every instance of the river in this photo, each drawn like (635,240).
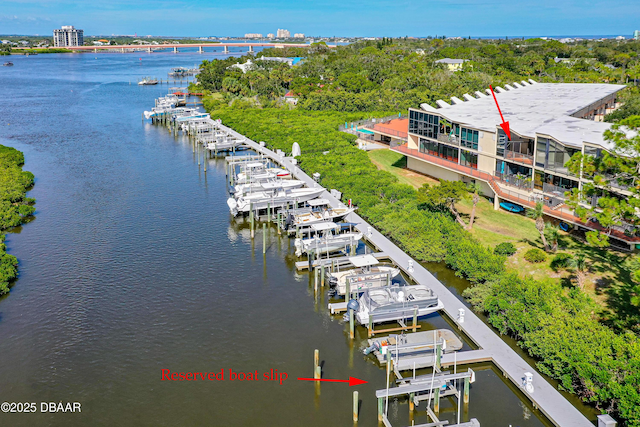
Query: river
(133,265)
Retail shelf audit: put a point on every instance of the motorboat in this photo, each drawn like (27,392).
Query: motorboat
(271,183)
(367,273)
(328,238)
(258,171)
(392,303)
(8,64)
(320,210)
(280,198)
(146,81)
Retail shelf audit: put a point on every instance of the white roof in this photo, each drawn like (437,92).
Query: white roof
(254,165)
(318,202)
(320,226)
(450,61)
(363,260)
(544,108)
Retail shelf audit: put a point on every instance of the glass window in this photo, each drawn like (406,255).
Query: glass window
(469,138)
(541,152)
(469,159)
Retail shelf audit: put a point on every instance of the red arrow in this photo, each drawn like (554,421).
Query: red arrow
(352,381)
(504,125)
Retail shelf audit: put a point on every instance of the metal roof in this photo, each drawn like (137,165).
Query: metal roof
(363,260)
(544,108)
(450,61)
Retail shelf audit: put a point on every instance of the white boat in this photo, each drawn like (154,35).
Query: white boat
(366,274)
(258,171)
(267,185)
(320,211)
(148,81)
(392,303)
(327,239)
(275,199)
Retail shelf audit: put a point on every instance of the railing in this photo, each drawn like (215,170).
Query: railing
(449,139)
(380,128)
(518,157)
(555,190)
(362,123)
(514,180)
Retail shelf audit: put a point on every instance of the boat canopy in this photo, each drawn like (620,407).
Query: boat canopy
(363,260)
(318,202)
(321,226)
(254,165)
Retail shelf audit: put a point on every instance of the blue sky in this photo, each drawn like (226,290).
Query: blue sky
(324,17)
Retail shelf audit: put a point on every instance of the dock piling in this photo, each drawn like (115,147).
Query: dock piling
(351,325)
(466,390)
(264,238)
(316,364)
(355,406)
(415,319)
(251,219)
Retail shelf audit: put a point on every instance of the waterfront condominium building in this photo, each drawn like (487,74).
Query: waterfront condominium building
(253,36)
(549,122)
(283,34)
(298,36)
(68,36)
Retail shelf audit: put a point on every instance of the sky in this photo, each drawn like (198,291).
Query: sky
(392,18)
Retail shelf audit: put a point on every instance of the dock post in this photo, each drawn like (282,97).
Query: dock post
(315,278)
(322,276)
(412,405)
(355,406)
(370,328)
(198,154)
(205,159)
(466,390)
(264,238)
(415,319)
(380,408)
(279,223)
(268,211)
(251,219)
(347,291)
(351,325)
(316,364)
(436,401)
(438,357)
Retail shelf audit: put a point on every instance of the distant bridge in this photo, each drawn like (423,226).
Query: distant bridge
(175,46)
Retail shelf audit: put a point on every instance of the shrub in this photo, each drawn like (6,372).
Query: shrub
(535,255)
(505,248)
(559,261)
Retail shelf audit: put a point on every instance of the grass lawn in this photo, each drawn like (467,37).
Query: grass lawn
(396,163)
(608,279)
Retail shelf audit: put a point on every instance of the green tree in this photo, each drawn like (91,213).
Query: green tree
(444,196)
(537,214)
(618,169)
(475,189)
(579,265)
(552,234)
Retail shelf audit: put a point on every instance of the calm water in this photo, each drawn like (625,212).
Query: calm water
(134,265)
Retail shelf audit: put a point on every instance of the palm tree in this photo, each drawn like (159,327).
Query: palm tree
(475,188)
(537,213)
(579,265)
(553,234)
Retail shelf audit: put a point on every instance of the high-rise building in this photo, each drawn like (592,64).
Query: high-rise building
(253,36)
(636,35)
(283,34)
(298,36)
(68,36)
(271,36)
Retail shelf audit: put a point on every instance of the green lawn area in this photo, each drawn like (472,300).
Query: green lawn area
(396,164)
(608,279)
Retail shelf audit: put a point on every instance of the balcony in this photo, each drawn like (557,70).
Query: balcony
(555,190)
(449,139)
(519,181)
(518,157)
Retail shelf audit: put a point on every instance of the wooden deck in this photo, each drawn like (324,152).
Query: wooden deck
(545,397)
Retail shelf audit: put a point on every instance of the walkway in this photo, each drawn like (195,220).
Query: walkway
(549,400)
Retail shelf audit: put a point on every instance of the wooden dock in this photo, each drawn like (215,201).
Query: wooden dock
(545,397)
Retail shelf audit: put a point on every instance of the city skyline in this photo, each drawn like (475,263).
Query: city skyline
(452,18)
